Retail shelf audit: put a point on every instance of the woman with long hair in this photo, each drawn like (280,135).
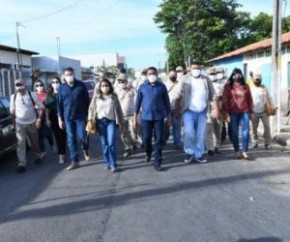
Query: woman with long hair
(44,131)
(238,106)
(52,119)
(105,110)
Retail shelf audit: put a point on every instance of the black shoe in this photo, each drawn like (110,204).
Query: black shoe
(38,161)
(216,150)
(147,158)
(210,153)
(20,169)
(157,167)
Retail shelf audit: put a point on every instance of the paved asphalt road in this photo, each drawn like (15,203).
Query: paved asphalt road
(223,200)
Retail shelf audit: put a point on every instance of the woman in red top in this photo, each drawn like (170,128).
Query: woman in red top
(237,105)
(44,131)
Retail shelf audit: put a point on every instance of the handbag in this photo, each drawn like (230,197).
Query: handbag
(91,127)
(269,109)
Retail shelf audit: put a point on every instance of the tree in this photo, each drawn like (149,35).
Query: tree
(200,30)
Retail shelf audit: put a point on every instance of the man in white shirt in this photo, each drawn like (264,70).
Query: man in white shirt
(260,96)
(173,87)
(195,94)
(27,120)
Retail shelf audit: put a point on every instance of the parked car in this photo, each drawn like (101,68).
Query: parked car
(8,141)
(90,84)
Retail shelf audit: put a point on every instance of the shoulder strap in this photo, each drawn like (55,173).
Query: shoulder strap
(33,103)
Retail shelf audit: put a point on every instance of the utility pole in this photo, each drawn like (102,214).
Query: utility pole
(18,51)
(58,46)
(276,63)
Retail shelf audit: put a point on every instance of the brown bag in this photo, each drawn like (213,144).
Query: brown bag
(91,127)
(269,109)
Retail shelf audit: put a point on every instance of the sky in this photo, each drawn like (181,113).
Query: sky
(94,26)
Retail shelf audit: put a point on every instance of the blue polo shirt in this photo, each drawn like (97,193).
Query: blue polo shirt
(154,100)
(73,102)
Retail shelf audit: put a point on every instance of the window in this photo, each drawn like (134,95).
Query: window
(4,108)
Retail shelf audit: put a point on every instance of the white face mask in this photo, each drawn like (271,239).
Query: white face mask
(19,89)
(69,79)
(179,75)
(39,89)
(212,78)
(152,78)
(55,86)
(195,73)
(105,90)
(220,76)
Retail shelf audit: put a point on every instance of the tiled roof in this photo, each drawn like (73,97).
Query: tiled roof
(9,48)
(264,44)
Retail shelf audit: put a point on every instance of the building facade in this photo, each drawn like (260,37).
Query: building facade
(11,69)
(257,58)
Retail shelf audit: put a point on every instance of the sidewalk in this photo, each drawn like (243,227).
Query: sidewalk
(283,138)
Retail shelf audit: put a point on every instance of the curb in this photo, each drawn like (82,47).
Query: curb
(282,139)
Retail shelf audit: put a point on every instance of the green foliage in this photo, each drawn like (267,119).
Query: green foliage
(203,29)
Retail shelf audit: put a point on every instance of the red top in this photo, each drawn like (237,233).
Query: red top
(41,96)
(237,99)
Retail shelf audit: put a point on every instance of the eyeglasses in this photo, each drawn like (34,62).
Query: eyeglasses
(39,85)
(55,82)
(121,82)
(18,84)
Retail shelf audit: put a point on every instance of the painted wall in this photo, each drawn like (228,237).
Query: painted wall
(230,64)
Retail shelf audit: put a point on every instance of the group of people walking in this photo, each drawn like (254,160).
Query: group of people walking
(204,103)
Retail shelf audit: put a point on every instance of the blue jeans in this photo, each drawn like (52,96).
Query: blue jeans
(155,126)
(238,119)
(176,130)
(76,129)
(107,130)
(194,132)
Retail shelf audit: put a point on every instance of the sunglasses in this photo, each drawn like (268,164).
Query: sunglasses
(18,84)
(39,85)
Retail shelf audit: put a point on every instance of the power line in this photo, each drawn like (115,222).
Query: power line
(99,14)
(53,13)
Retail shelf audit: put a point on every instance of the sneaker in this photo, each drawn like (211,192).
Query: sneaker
(38,161)
(188,159)
(267,147)
(42,155)
(147,158)
(86,155)
(157,167)
(114,169)
(73,166)
(238,155)
(127,153)
(107,167)
(20,169)
(201,159)
(210,153)
(61,159)
(245,155)
(255,145)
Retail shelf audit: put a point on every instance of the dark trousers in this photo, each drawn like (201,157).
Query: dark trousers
(44,132)
(149,127)
(60,136)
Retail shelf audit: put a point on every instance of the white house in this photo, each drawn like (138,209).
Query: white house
(10,69)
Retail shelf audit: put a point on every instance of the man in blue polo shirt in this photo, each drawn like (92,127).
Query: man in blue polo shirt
(152,96)
(73,104)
